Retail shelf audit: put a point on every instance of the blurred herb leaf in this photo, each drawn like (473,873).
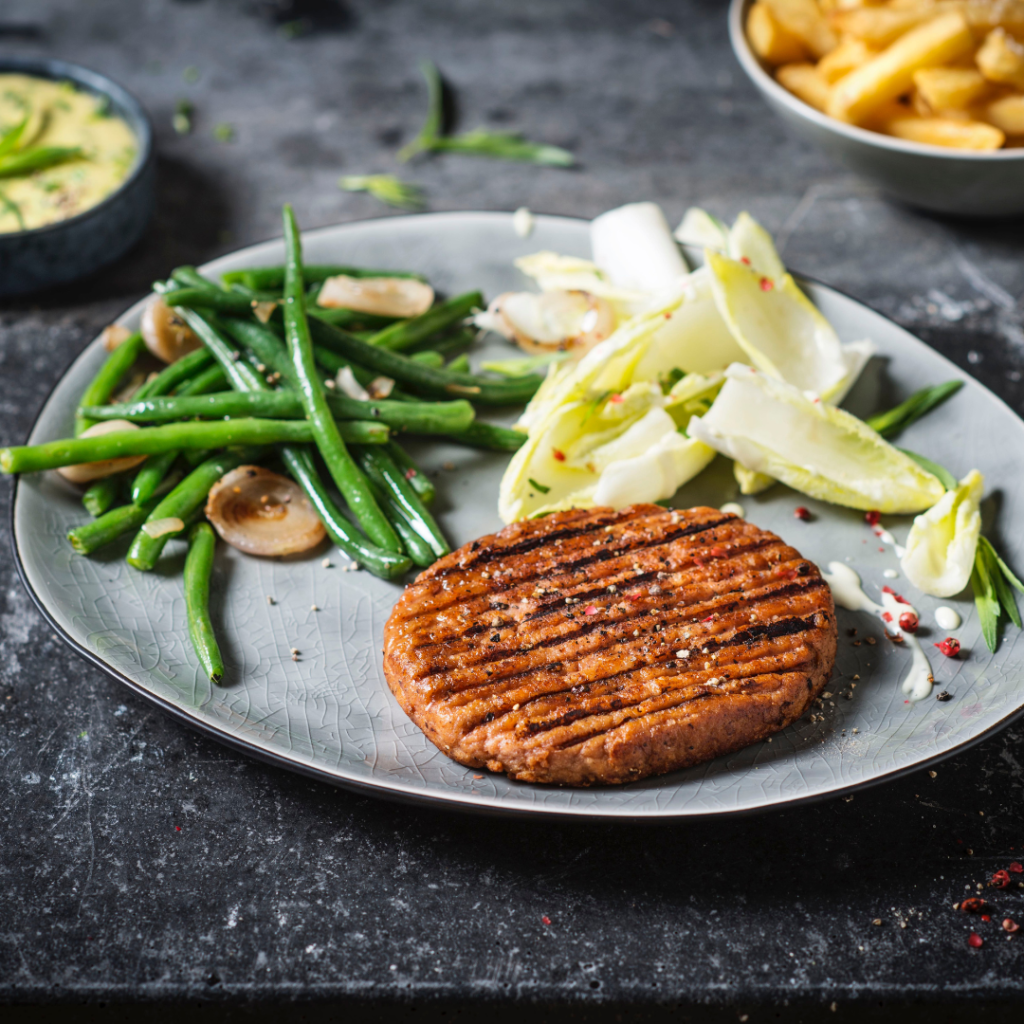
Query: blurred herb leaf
(480,142)
(182,120)
(387,188)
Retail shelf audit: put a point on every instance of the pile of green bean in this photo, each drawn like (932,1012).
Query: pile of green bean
(261,388)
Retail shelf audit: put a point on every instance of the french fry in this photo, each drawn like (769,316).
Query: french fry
(771,42)
(879,27)
(848,55)
(950,88)
(943,131)
(985,15)
(803,18)
(1001,59)
(805,83)
(1007,114)
(891,73)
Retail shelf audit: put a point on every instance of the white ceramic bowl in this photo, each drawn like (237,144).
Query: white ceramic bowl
(944,180)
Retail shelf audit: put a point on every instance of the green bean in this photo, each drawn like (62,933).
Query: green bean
(267,278)
(460,364)
(379,467)
(114,367)
(189,277)
(351,319)
(428,357)
(241,376)
(101,494)
(329,441)
(418,418)
(208,298)
(433,383)
(108,527)
(488,436)
(154,440)
(407,333)
(460,338)
(212,379)
(152,474)
(198,568)
(386,564)
(270,350)
(417,548)
(183,502)
(421,483)
(174,375)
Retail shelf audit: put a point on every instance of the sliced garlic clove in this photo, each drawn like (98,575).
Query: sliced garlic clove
(86,472)
(346,382)
(550,321)
(263,513)
(380,387)
(166,335)
(383,296)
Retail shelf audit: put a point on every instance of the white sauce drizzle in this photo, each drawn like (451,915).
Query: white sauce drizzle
(947,618)
(849,594)
(887,538)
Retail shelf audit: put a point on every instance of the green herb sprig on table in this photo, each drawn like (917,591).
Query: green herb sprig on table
(480,141)
(387,188)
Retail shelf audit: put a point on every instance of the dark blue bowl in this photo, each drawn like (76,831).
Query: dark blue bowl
(72,248)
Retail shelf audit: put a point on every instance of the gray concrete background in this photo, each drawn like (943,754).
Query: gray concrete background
(139,861)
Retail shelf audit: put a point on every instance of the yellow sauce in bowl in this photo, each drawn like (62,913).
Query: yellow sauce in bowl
(59,115)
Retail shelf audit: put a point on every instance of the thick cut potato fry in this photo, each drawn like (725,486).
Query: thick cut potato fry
(985,15)
(804,19)
(943,131)
(950,88)
(805,83)
(1007,114)
(879,26)
(891,73)
(771,42)
(843,59)
(1001,59)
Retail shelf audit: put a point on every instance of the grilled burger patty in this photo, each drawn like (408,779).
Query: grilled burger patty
(598,646)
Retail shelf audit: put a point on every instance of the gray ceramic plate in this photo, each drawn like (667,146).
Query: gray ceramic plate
(331,715)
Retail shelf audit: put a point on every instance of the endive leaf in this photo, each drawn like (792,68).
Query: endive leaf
(782,332)
(703,229)
(775,428)
(941,546)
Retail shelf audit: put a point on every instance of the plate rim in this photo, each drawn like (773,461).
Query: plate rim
(458,802)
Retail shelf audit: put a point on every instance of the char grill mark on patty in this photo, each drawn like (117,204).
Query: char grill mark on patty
(488,662)
(709,594)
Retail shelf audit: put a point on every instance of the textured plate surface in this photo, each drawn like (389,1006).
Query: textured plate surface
(330,714)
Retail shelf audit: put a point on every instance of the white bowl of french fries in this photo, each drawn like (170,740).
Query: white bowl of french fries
(923,97)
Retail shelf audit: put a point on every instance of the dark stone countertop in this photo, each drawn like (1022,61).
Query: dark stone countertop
(141,862)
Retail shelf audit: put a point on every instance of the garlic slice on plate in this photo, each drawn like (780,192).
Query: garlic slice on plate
(383,296)
(551,321)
